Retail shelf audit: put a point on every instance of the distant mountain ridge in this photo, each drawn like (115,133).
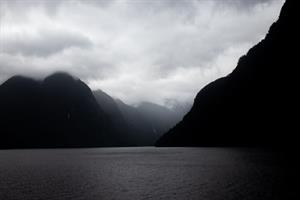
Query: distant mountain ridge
(255,105)
(62,111)
(142,124)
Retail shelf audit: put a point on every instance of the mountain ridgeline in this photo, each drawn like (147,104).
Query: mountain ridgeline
(62,111)
(255,105)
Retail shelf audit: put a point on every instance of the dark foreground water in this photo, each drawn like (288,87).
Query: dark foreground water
(141,173)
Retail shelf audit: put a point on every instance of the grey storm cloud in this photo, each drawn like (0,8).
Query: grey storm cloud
(130,47)
(44,43)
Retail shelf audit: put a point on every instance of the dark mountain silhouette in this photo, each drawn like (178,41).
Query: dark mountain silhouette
(255,105)
(110,107)
(128,135)
(62,111)
(59,111)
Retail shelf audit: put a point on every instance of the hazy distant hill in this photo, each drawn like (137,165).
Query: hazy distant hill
(160,118)
(148,120)
(254,105)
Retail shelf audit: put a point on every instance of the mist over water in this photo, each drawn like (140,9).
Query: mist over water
(140,173)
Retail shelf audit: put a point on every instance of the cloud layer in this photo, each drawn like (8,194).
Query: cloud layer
(135,50)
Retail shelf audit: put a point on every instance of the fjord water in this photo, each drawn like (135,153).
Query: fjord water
(140,173)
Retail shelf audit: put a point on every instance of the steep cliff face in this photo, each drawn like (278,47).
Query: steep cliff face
(256,103)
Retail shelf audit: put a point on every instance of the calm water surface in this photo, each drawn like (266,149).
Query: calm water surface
(140,173)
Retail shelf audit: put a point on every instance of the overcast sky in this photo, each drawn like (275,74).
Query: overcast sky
(135,50)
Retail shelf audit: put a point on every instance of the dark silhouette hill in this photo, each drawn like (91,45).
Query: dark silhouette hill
(128,135)
(110,107)
(256,104)
(59,111)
